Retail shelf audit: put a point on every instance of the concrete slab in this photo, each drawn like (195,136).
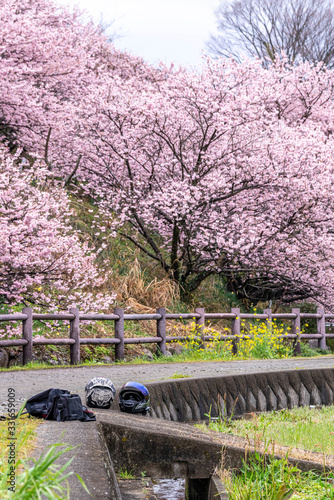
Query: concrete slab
(89,457)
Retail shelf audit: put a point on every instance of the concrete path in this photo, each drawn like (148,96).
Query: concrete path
(28,383)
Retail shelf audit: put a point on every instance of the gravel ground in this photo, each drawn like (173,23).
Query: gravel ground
(27,383)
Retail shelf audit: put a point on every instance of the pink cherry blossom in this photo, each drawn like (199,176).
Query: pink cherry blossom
(42,263)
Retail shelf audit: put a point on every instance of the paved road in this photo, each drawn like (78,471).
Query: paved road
(28,383)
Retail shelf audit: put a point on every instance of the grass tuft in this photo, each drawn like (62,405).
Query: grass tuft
(305,428)
(262,478)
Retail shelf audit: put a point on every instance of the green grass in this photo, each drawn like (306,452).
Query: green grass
(25,430)
(306,428)
(271,479)
(126,474)
(177,375)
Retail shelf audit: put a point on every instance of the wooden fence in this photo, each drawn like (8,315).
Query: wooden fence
(161,339)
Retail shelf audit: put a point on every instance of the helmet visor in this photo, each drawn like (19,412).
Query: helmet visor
(139,387)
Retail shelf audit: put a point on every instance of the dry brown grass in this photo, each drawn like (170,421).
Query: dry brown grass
(138,296)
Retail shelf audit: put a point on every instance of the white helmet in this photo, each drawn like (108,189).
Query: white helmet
(100,392)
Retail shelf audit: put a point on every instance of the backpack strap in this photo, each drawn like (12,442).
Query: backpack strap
(59,409)
(88,416)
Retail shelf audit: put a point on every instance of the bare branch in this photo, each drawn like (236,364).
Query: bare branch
(46,149)
(70,177)
(302,29)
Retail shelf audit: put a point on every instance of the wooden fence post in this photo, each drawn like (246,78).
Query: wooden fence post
(27,335)
(236,327)
(161,330)
(296,330)
(269,313)
(119,333)
(200,322)
(75,334)
(321,328)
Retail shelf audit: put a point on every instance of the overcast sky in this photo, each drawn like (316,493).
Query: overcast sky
(157,30)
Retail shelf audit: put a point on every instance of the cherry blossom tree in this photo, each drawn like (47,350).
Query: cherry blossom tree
(227,171)
(51,58)
(41,261)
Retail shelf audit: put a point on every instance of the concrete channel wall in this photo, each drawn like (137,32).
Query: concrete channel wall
(163,450)
(189,400)
(217,490)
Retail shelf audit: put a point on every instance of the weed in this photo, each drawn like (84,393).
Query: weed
(223,421)
(125,474)
(145,482)
(260,480)
(263,478)
(179,375)
(256,341)
(307,352)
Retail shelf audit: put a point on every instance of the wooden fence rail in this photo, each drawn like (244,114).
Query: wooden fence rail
(161,339)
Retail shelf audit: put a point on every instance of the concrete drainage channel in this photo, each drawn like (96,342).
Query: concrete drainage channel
(161,450)
(164,445)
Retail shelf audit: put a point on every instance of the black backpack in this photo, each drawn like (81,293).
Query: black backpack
(58,404)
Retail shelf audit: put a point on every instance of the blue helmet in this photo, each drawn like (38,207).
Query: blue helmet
(134,398)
